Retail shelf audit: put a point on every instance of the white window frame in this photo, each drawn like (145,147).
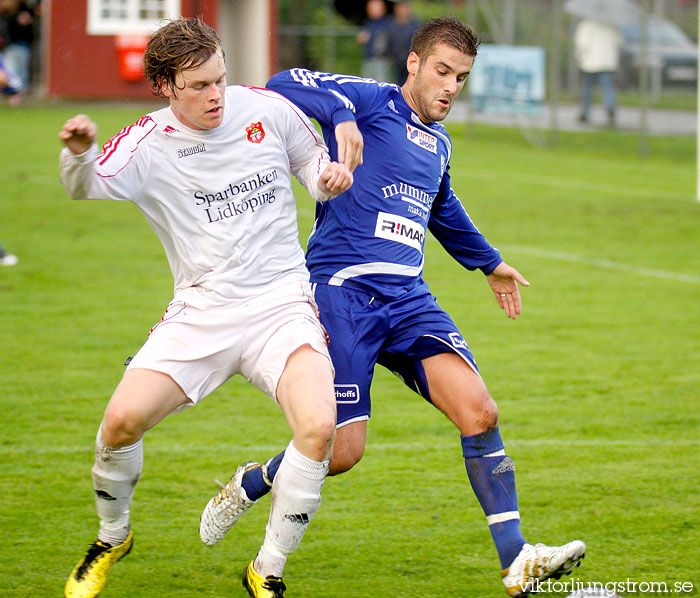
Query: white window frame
(99,25)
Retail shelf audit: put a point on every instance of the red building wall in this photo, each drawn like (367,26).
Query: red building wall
(79,65)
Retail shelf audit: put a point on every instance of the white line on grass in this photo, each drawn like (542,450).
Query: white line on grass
(582,185)
(579,259)
(378,446)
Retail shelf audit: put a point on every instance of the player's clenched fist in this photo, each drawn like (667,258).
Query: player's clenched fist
(78,134)
(335,179)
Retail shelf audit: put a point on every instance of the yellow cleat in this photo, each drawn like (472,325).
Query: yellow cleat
(262,587)
(90,574)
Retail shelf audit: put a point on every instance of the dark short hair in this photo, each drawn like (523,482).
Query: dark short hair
(444,30)
(179,45)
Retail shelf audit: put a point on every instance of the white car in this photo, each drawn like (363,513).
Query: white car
(668,47)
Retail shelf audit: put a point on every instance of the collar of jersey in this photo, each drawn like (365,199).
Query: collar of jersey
(406,111)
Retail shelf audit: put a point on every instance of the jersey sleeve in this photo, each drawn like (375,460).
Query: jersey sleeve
(307,153)
(452,227)
(330,99)
(117,173)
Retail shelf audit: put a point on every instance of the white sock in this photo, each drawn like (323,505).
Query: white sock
(114,476)
(296,495)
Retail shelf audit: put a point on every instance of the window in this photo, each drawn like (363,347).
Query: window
(110,17)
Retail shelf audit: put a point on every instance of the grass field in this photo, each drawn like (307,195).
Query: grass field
(598,385)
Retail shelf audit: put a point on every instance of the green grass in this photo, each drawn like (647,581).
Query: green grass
(680,98)
(598,384)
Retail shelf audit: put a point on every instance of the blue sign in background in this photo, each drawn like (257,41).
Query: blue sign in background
(508,79)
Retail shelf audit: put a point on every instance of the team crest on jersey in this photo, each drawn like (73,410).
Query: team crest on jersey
(255,132)
(421,138)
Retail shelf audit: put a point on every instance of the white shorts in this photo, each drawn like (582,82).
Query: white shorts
(202,348)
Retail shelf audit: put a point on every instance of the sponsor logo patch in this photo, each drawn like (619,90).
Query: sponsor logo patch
(299,518)
(347,394)
(190,151)
(255,132)
(104,495)
(504,466)
(169,129)
(227,203)
(421,138)
(399,229)
(457,341)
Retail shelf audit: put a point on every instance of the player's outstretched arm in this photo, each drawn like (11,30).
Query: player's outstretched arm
(350,144)
(335,179)
(78,134)
(504,281)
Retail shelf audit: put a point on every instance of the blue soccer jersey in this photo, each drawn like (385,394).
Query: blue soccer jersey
(372,237)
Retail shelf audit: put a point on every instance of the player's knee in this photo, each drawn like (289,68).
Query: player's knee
(478,415)
(120,427)
(488,416)
(345,458)
(316,435)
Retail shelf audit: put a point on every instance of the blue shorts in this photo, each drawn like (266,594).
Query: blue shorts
(397,334)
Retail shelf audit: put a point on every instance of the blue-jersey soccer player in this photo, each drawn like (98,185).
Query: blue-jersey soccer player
(365,256)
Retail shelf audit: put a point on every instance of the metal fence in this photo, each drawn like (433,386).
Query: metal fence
(658,70)
(319,35)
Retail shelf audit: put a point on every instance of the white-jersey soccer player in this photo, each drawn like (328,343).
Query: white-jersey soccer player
(211,174)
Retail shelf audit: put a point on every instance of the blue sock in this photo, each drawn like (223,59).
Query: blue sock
(492,476)
(254,482)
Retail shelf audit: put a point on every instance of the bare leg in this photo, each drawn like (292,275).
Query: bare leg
(141,400)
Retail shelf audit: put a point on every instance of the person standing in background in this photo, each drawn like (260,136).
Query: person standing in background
(402,26)
(597,49)
(374,38)
(9,85)
(19,32)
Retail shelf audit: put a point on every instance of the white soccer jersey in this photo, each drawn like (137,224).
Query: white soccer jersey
(220,200)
